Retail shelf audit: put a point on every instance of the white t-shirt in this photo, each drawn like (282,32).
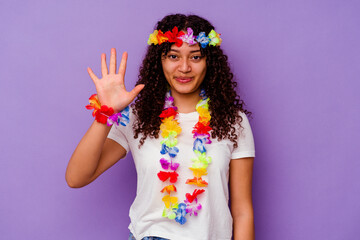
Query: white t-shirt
(214,220)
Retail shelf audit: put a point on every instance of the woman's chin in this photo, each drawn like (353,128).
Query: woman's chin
(185,89)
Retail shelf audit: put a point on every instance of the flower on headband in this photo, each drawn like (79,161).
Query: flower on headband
(174,36)
(153,38)
(215,39)
(188,37)
(203,39)
(157,37)
(161,37)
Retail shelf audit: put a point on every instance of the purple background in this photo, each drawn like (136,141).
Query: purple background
(297,64)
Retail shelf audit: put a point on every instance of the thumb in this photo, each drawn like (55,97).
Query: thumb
(136,90)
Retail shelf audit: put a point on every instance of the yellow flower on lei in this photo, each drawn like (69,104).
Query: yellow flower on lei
(198,172)
(169,125)
(203,104)
(204,115)
(171,139)
(170,212)
(201,161)
(169,200)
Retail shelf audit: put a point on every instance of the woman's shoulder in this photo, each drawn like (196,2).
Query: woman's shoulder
(243,118)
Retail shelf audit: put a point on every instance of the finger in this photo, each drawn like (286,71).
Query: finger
(122,67)
(104,69)
(92,75)
(136,90)
(112,61)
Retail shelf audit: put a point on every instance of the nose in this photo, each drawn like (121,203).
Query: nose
(184,66)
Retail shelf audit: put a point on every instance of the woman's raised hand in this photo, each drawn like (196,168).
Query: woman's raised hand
(110,88)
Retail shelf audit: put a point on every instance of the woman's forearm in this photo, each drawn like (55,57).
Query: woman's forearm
(85,159)
(244,227)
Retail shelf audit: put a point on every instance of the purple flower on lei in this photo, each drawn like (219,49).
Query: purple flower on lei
(121,117)
(113,119)
(204,137)
(169,100)
(165,164)
(193,207)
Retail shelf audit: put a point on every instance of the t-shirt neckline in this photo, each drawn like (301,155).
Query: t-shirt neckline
(190,115)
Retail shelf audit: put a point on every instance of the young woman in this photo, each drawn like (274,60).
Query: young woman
(188,133)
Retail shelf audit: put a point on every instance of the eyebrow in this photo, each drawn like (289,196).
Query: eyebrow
(174,50)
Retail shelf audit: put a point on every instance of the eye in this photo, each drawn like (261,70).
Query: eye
(172,56)
(196,57)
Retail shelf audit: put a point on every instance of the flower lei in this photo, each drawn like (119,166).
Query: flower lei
(104,114)
(174,36)
(170,129)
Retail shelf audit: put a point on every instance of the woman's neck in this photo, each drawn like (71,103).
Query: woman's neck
(186,103)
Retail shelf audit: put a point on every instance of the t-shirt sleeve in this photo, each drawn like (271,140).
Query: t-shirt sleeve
(245,141)
(118,134)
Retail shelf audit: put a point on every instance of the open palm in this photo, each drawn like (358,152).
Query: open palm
(110,88)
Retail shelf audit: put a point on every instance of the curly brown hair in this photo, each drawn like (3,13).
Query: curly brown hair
(225,103)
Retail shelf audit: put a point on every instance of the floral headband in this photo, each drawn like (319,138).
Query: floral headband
(158,37)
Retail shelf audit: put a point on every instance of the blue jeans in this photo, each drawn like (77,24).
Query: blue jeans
(131,237)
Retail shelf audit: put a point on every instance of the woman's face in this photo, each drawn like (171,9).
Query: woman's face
(184,68)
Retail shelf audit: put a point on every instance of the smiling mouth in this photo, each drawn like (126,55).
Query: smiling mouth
(183,79)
